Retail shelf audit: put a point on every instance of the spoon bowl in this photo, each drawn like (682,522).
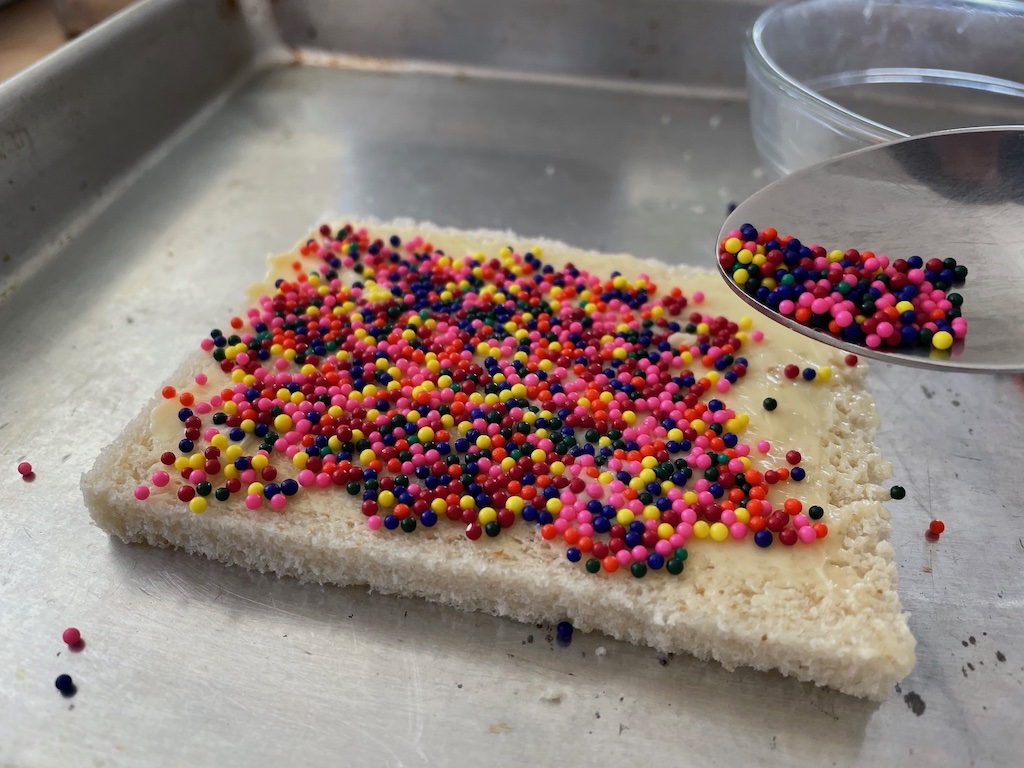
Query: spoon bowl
(953,194)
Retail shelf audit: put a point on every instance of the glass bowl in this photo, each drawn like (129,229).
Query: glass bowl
(826,77)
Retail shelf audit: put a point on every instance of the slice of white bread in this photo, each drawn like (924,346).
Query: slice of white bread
(826,612)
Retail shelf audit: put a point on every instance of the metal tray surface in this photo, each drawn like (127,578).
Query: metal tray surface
(191,662)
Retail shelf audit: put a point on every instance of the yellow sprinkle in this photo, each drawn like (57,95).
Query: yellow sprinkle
(701,529)
(665,531)
(255,488)
(283,422)
(624,516)
(487,515)
(719,531)
(198,504)
(942,340)
(386,499)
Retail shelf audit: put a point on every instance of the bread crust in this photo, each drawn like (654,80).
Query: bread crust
(827,613)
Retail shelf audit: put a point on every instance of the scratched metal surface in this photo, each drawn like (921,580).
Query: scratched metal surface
(190,662)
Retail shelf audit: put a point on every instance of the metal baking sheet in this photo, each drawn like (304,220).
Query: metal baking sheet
(136,202)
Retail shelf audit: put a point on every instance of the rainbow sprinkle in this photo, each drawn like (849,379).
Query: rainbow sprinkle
(487,393)
(853,295)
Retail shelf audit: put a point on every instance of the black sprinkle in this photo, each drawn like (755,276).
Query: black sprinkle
(915,703)
(65,685)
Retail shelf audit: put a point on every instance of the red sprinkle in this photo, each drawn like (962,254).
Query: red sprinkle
(936,527)
(851,360)
(25,469)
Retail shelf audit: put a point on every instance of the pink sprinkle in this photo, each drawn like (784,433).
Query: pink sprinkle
(757,335)
(141,493)
(71,636)
(25,469)
(807,534)
(201,379)
(375,522)
(160,478)
(738,530)
(278,501)
(698,297)
(764,446)
(253,501)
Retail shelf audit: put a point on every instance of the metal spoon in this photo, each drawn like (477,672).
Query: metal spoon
(954,193)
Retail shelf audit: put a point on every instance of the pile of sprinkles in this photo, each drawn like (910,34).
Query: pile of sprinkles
(488,392)
(853,295)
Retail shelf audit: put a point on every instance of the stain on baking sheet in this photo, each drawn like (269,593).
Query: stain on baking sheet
(1000,656)
(914,702)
